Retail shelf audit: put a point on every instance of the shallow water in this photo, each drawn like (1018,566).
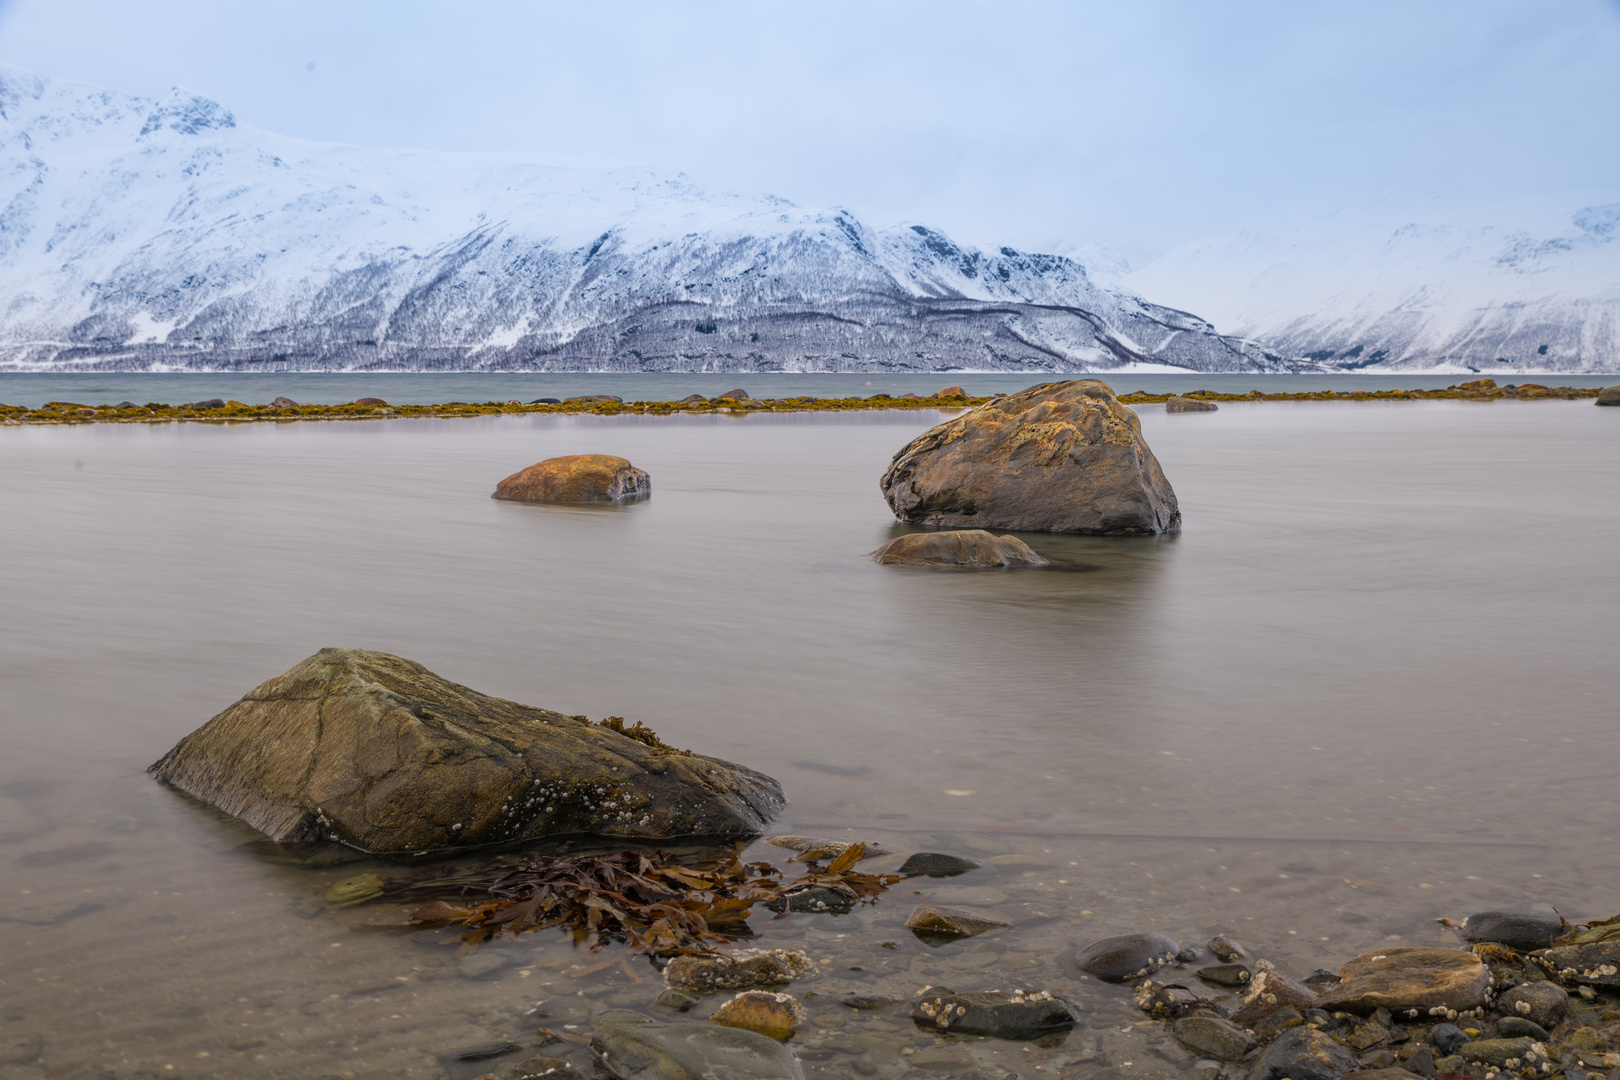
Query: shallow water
(1369,685)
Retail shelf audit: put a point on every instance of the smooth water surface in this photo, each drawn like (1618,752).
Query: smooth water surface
(1371,684)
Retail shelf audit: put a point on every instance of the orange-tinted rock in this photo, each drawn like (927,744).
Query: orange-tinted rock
(960,547)
(1058,457)
(952,391)
(772,1014)
(576,478)
(1478,384)
(370,401)
(1409,978)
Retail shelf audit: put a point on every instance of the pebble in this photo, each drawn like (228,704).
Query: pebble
(1447,1038)
(737,970)
(1517,1027)
(1304,1053)
(1403,979)
(1544,1003)
(869,1002)
(1225,949)
(1499,1052)
(1523,932)
(1226,975)
(1597,964)
(993,1013)
(941,921)
(932,864)
(777,1016)
(480,965)
(1213,1037)
(1127,956)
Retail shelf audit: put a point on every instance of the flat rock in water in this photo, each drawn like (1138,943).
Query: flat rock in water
(971,548)
(1226,974)
(992,1013)
(940,921)
(379,753)
(1304,1053)
(814,900)
(1409,978)
(1225,949)
(1597,964)
(1609,395)
(1213,1037)
(1127,956)
(576,478)
(932,864)
(1059,457)
(737,970)
(635,1047)
(829,848)
(1175,404)
(1541,1003)
(774,1015)
(1525,933)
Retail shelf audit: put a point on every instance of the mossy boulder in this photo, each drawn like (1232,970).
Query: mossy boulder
(576,478)
(381,754)
(970,548)
(1059,457)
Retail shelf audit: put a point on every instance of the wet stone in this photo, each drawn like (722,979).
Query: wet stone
(1270,990)
(1409,978)
(774,1015)
(1213,1037)
(1127,956)
(1517,1027)
(480,965)
(1226,974)
(932,864)
(1421,1061)
(675,1000)
(483,1052)
(634,1047)
(1502,1052)
(1304,1053)
(1275,1022)
(1452,1063)
(1226,950)
(736,971)
(1381,1058)
(1447,1038)
(1366,1035)
(1320,979)
(870,1002)
(814,900)
(1597,964)
(940,921)
(993,1013)
(1523,932)
(1542,1003)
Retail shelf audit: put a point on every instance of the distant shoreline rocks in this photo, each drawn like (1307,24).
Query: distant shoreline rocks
(576,478)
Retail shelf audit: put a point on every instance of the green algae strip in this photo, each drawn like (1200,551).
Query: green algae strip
(68,412)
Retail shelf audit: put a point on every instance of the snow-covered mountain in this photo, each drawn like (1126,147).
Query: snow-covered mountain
(142,234)
(1525,287)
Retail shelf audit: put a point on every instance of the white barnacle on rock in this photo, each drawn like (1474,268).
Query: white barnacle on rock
(1586,992)
(1522,1008)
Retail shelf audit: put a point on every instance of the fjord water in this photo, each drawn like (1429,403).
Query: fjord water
(1369,685)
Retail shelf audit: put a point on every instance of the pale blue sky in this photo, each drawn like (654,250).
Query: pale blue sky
(1141,123)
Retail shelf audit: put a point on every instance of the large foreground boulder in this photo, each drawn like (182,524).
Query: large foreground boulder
(1058,457)
(959,548)
(576,478)
(1609,395)
(383,755)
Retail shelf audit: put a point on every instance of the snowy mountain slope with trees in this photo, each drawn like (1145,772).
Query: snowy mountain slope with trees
(163,235)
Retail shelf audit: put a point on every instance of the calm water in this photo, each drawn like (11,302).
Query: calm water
(1371,684)
(401,388)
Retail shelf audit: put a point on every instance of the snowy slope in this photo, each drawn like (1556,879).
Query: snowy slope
(141,234)
(1524,287)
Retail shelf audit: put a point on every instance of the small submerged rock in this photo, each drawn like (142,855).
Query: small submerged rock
(1127,956)
(870,1002)
(932,920)
(813,900)
(993,1013)
(1526,933)
(969,548)
(355,890)
(775,1015)
(808,845)
(1304,1053)
(576,478)
(932,864)
(1213,1037)
(1226,974)
(1270,990)
(738,970)
(1225,949)
(634,1047)
(1403,979)
(1519,1027)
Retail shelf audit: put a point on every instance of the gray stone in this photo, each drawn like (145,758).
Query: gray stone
(382,755)
(1542,1003)
(634,1047)
(1226,950)
(1517,1027)
(1422,1061)
(931,864)
(994,1014)
(549,1068)
(480,965)
(1213,1037)
(1304,1053)
(960,548)
(870,1002)
(1058,457)
(734,395)
(1127,956)
(937,920)
(675,1000)
(1500,1052)
(1525,933)
(1177,404)
(813,900)
(1596,964)
(1447,1038)
(1226,974)
(1609,395)
(1409,978)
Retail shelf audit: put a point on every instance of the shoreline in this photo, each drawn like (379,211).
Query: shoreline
(220,411)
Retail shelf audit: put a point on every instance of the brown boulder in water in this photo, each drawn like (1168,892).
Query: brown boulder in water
(1609,395)
(576,478)
(379,753)
(951,391)
(1175,404)
(1058,457)
(961,547)
(370,401)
